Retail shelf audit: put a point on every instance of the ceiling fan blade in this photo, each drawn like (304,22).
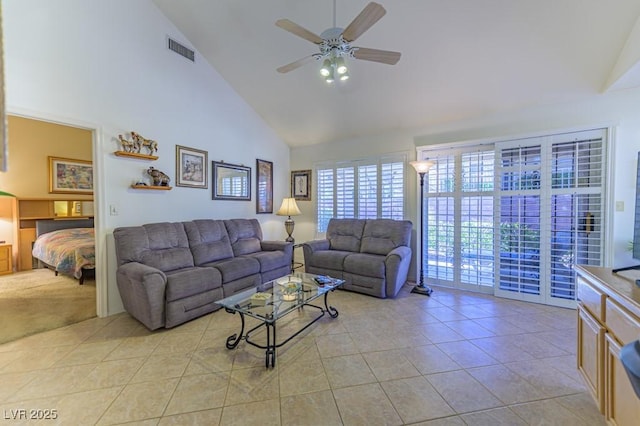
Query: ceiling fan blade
(361,23)
(376,55)
(296,64)
(296,29)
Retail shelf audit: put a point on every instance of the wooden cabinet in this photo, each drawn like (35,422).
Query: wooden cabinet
(6,259)
(608,318)
(590,353)
(27,237)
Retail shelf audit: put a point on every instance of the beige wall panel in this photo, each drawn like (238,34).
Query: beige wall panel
(31,142)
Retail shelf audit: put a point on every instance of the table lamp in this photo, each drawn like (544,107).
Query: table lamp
(289,208)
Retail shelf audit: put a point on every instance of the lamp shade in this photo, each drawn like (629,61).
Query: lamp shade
(422,166)
(289,208)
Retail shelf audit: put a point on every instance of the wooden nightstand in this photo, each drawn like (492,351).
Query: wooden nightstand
(6,259)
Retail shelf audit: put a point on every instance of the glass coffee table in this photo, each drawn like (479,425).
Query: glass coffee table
(275,299)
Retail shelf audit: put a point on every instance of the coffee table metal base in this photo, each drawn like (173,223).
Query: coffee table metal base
(270,325)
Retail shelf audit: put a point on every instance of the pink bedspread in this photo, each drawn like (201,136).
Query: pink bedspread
(68,250)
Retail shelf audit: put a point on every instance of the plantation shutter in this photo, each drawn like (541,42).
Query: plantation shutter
(368,191)
(552,210)
(325,202)
(514,217)
(365,189)
(392,191)
(345,192)
(576,209)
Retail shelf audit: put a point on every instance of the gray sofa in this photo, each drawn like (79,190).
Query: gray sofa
(371,255)
(170,273)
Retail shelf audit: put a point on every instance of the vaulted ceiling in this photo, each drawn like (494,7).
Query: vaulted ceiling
(461,59)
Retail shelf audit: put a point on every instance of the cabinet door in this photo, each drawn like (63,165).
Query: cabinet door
(6,264)
(590,354)
(27,237)
(622,404)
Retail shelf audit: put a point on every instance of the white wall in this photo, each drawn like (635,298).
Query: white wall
(621,110)
(104,65)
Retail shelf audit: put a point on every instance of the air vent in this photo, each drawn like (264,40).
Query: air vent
(181,50)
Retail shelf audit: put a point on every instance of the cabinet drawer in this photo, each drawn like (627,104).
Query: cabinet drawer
(592,299)
(624,326)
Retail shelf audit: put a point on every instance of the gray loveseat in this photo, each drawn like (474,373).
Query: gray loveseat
(170,273)
(371,255)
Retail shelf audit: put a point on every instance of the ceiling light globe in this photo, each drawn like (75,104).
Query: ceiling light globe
(341,66)
(326,68)
(344,77)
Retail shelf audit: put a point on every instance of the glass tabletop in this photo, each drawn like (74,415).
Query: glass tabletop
(276,298)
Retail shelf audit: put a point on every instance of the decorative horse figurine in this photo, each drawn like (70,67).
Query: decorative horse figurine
(128,146)
(150,144)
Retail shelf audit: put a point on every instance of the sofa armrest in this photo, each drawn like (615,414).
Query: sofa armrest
(397,264)
(276,245)
(142,289)
(315,245)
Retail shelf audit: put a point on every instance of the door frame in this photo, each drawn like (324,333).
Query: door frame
(98,194)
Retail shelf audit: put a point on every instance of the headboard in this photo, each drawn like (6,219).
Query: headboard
(50,225)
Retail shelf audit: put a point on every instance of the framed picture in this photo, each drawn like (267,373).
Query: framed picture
(191,167)
(231,181)
(301,185)
(67,176)
(264,186)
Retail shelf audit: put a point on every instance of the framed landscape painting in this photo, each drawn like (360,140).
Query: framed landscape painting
(264,186)
(191,167)
(68,176)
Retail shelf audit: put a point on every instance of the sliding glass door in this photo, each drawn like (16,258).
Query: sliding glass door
(513,218)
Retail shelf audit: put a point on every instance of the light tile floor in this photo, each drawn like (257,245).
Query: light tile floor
(455,358)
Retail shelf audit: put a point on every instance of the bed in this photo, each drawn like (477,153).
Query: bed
(66,247)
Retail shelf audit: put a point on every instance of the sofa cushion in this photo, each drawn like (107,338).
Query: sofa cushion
(345,234)
(209,240)
(370,265)
(270,260)
(383,235)
(245,235)
(163,246)
(236,267)
(242,284)
(329,259)
(191,281)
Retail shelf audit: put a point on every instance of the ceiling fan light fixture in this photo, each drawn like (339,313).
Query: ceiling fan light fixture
(335,44)
(326,69)
(341,66)
(330,78)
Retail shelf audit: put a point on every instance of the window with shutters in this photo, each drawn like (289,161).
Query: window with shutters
(513,217)
(364,189)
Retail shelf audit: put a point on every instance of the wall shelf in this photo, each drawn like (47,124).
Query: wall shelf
(136,155)
(160,188)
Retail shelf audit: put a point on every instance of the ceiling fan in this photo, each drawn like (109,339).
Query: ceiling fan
(335,44)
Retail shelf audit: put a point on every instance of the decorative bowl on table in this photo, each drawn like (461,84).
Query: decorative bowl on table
(289,287)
